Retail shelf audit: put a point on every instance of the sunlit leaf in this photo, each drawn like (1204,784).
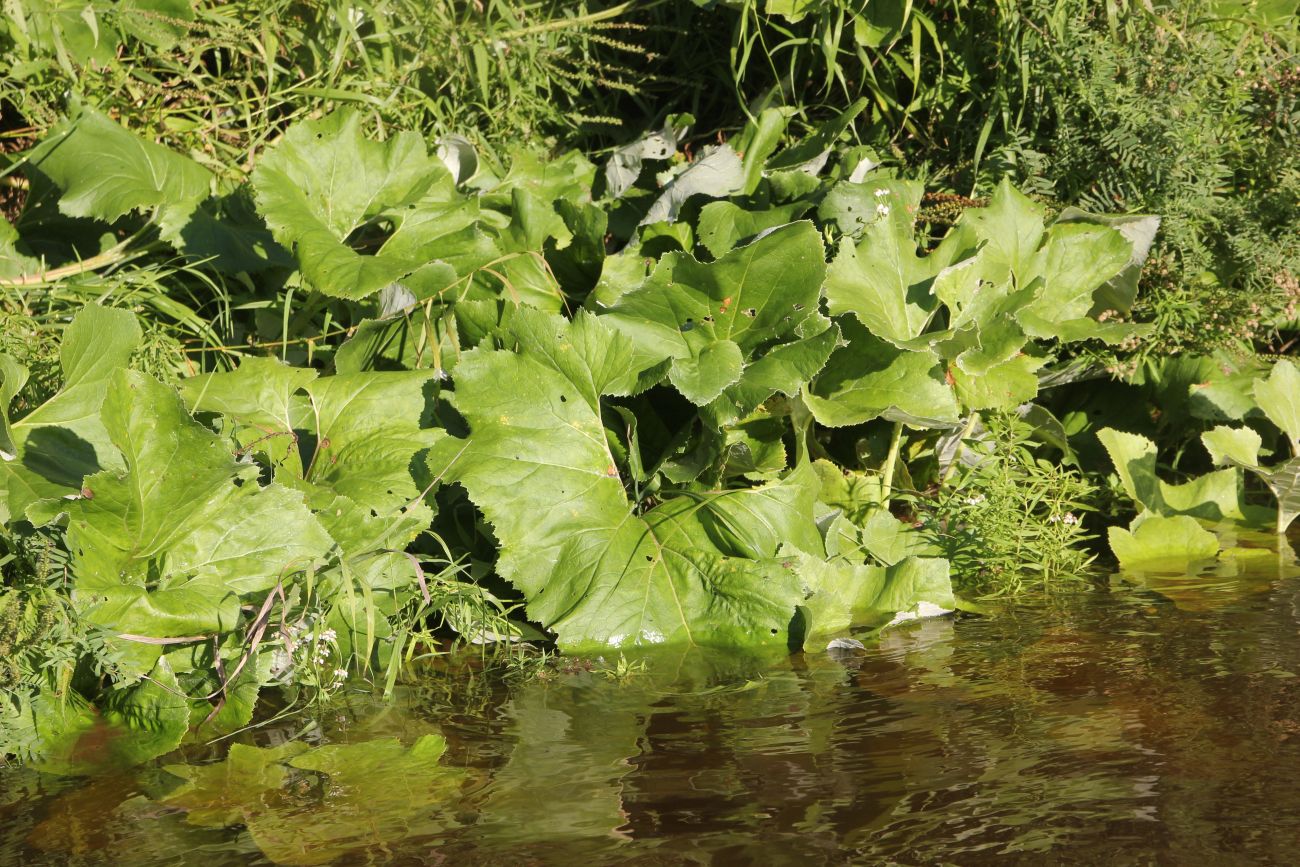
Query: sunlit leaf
(1161,544)
(700,570)
(105,171)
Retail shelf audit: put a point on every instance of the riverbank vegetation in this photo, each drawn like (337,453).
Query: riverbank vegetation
(333,336)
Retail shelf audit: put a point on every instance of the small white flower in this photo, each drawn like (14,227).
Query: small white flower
(882,210)
(975,500)
(1070,518)
(881,193)
(328,635)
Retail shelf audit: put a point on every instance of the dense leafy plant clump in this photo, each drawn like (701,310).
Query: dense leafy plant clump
(306,392)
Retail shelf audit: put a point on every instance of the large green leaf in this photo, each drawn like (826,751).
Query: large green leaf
(853,207)
(1140,230)
(1240,447)
(348,443)
(169,545)
(1003,386)
(845,594)
(1279,398)
(49,450)
(697,569)
(325,180)
(723,225)
(105,171)
(1215,496)
(1232,445)
(868,378)
(884,283)
(1163,544)
(1065,265)
(712,319)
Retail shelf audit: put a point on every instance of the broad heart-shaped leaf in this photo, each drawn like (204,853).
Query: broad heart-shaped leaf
(696,569)
(868,378)
(168,546)
(54,446)
(1065,265)
(711,319)
(358,433)
(325,180)
(1279,398)
(723,225)
(1011,227)
(105,171)
(844,594)
(1003,386)
(786,368)
(855,207)
(1140,230)
(1162,544)
(1076,260)
(1215,496)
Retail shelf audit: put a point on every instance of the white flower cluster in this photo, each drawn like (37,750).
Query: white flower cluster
(322,643)
(1069,519)
(882,210)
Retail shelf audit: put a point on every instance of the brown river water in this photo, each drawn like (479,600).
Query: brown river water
(1136,723)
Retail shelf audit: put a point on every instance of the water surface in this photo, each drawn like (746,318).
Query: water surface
(1154,722)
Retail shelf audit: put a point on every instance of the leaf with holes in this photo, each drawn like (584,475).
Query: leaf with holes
(325,181)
